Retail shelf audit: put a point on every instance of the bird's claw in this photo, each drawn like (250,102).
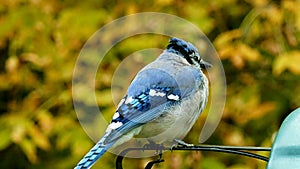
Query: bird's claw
(157,147)
(181,144)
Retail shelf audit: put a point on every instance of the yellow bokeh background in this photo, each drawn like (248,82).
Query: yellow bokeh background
(258,43)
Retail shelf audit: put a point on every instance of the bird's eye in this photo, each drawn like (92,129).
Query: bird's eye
(195,57)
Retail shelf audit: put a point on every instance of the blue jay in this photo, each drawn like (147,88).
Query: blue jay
(162,103)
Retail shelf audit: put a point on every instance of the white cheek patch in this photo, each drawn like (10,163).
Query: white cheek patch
(173,97)
(153,92)
(115,125)
(128,100)
(116,115)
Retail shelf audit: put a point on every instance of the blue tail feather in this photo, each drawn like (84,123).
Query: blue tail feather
(92,156)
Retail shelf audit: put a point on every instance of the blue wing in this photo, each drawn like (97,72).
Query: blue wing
(150,93)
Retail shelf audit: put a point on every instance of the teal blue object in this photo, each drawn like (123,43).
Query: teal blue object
(285,153)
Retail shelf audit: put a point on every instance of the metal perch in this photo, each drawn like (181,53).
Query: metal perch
(215,148)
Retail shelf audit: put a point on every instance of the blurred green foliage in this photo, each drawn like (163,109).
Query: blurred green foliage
(257,41)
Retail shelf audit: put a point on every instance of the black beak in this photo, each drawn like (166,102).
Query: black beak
(205,65)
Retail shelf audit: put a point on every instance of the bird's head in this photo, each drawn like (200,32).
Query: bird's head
(188,51)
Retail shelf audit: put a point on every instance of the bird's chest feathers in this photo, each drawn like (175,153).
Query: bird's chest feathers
(175,121)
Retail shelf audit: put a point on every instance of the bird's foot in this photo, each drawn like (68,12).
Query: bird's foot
(181,143)
(157,147)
